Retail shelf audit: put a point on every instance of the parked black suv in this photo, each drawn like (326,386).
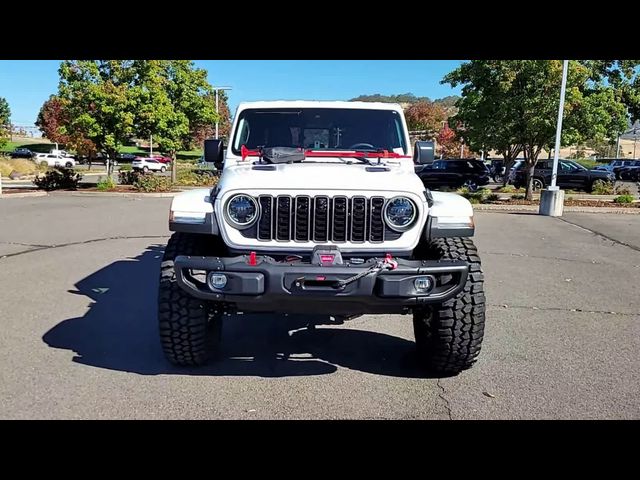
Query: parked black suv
(571,175)
(629,172)
(22,153)
(454,173)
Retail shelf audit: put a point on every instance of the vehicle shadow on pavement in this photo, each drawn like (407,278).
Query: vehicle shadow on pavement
(119,332)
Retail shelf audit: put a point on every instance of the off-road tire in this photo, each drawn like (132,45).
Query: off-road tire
(190,328)
(449,335)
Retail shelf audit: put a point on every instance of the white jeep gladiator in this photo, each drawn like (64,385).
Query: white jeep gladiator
(318,209)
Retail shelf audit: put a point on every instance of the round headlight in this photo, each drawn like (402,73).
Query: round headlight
(399,213)
(242,211)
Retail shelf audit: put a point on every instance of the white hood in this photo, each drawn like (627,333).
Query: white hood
(322,176)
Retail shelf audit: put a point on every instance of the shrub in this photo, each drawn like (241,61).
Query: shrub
(128,177)
(58,178)
(152,183)
(507,189)
(600,187)
(517,197)
(106,184)
(126,167)
(620,190)
(493,197)
(624,199)
(193,179)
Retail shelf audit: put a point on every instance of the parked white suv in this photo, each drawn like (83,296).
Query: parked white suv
(54,160)
(319,211)
(148,164)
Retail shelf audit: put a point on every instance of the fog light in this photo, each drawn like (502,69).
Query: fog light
(217,281)
(423,284)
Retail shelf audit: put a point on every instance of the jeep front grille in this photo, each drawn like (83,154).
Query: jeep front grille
(321,219)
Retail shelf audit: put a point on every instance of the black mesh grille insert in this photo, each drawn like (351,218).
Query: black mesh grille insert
(265,223)
(358,219)
(376,228)
(283,218)
(339,219)
(321,219)
(302,215)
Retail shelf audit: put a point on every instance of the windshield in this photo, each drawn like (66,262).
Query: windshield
(320,129)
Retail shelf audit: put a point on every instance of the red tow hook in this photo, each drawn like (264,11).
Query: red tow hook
(389,260)
(253,261)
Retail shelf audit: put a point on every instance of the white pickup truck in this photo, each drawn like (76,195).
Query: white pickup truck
(318,209)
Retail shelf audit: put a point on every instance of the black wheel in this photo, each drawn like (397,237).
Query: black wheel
(163,169)
(498,178)
(190,328)
(449,335)
(537,184)
(471,185)
(145,169)
(68,164)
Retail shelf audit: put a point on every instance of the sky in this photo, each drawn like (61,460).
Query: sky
(26,84)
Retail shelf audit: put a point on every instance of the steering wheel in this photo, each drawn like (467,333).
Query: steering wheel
(360,145)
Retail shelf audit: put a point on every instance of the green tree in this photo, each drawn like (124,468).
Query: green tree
(101,101)
(201,132)
(5,121)
(174,100)
(514,103)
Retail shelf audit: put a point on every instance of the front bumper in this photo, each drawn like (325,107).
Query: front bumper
(301,287)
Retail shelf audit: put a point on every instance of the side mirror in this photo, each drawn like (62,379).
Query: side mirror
(213,152)
(423,153)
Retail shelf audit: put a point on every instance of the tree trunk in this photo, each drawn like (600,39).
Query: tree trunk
(174,168)
(530,168)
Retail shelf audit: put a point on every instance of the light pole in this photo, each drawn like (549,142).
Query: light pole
(552,199)
(217,119)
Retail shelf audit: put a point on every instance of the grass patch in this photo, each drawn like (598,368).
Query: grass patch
(106,184)
(510,189)
(624,199)
(19,165)
(588,163)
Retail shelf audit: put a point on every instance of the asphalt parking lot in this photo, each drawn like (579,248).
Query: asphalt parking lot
(78,280)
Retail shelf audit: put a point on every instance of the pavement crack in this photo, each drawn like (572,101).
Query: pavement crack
(25,244)
(600,234)
(447,405)
(561,309)
(38,248)
(541,257)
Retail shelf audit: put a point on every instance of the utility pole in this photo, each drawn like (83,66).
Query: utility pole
(618,147)
(217,119)
(151,145)
(635,141)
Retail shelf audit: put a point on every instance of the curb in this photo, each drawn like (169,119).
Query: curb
(24,194)
(118,194)
(535,208)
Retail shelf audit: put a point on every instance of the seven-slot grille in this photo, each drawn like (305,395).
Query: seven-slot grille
(321,219)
